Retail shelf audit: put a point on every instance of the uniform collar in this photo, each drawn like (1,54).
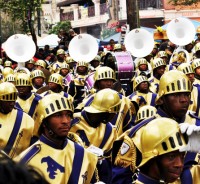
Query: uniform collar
(50,143)
(147,180)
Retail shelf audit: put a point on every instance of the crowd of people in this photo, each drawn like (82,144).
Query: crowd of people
(85,122)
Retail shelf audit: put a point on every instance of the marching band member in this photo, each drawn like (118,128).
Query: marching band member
(55,84)
(187,69)
(54,68)
(159,160)
(10,78)
(16,126)
(40,64)
(93,126)
(77,86)
(37,80)
(196,68)
(26,100)
(30,65)
(95,64)
(104,78)
(56,156)
(158,69)
(67,76)
(141,88)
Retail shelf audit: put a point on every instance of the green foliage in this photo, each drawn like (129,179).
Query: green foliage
(107,33)
(183,2)
(21,12)
(65,25)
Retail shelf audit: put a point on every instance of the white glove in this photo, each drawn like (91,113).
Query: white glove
(99,182)
(193,133)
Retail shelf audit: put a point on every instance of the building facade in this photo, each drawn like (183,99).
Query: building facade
(91,16)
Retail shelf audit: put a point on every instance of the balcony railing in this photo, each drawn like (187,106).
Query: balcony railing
(103,9)
(144,4)
(91,11)
(67,16)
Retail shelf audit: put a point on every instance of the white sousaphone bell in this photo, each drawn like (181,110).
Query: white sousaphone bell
(83,47)
(20,48)
(139,42)
(180,31)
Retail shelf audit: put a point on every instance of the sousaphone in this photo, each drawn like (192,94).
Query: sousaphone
(181,31)
(139,42)
(20,48)
(83,47)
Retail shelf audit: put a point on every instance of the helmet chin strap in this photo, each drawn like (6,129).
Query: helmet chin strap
(51,132)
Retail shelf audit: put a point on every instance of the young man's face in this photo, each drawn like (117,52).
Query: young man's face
(23,91)
(143,87)
(171,166)
(176,104)
(38,81)
(6,106)
(105,83)
(197,71)
(160,70)
(60,123)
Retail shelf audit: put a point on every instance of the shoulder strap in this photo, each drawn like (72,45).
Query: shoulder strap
(77,164)
(14,132)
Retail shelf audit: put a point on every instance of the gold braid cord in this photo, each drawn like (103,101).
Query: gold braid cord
(127,154)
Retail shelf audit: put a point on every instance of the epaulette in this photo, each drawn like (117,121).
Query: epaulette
(18,108)
(31,153)
(193,115)
(75,121)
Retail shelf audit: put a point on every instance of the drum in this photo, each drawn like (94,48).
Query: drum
(124,66)
(89,81)
(68,78)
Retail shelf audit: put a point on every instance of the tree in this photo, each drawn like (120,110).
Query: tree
(22,14)
(64,25)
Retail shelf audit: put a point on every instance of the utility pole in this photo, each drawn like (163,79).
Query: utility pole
(133,19)
(0,36)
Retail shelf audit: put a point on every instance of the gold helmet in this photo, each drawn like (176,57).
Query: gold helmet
(6,71)
(37,73)
(60,51)
(31,61)
(97,58)
(197,47)
(157,62)
(138,80)
(104,72)
(82,63)
(145,112)
(198,30)
(142,61)
(186,68)
(69,60)
(195,63)
(8,92)
(10,78)
(23,79)
(155,140)
(64,65)
(8,64)
(117,46)
(41,63)
(51,104)
(106,100)
(56,78)
(162,54)
(171,82)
